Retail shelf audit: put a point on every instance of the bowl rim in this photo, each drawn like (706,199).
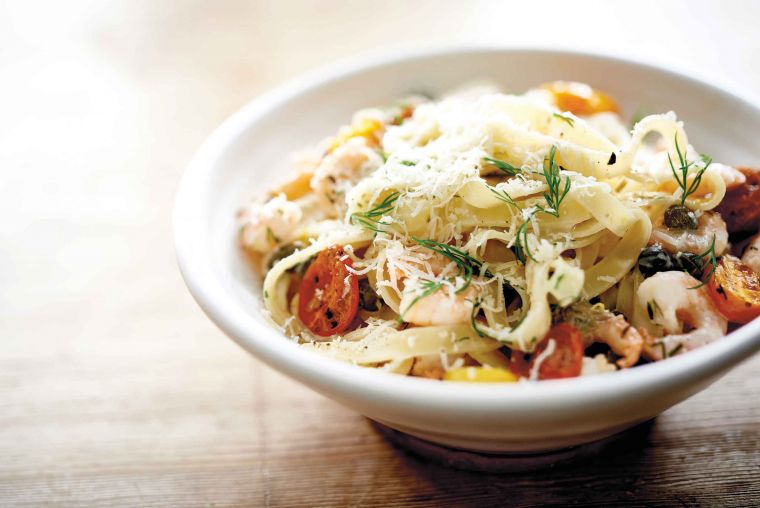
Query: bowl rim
(327,374)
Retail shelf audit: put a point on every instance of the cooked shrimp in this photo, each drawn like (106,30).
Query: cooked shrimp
(341,169)
(442,307)
(267,225)
(598,324)
(697,240)
(751,255)
(623,338)
(686,315)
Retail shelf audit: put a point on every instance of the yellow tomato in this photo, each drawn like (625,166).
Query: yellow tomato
(366,128)
(480,375)
(579,98)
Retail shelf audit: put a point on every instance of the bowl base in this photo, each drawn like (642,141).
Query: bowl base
(505,462)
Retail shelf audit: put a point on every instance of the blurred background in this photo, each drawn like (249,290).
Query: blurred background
(114,388)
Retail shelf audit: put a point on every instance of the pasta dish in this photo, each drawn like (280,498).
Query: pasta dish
(484,236)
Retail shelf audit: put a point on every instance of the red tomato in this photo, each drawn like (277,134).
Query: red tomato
(567,358)
(519,365)
(735,290)
(329,295)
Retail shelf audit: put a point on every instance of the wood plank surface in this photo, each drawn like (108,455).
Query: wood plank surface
(115,390)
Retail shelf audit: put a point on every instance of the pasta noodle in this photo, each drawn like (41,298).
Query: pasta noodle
(496,231)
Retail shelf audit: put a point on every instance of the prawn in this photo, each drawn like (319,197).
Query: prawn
(695,241)
(268,225)
(340,169)
(684,311)
(425,300)
(442,307)
(598,324)
(623,338)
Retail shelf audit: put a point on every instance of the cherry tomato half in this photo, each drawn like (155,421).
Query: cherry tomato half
(579,98)
(329,294)
(567,358)
(735,290)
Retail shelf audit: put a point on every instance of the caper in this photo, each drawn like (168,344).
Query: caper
(680,217)
(690,263)
(367,296)
(654,259)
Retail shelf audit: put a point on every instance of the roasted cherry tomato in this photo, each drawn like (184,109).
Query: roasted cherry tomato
(520,364)
(329,294)
(567,358)
(735,290)
(579,98)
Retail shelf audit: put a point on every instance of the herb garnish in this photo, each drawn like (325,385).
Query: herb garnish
(474,315)
(502,195)
(522,249)
(428,288)
(675,350)
(687,188)
(504,166)
(556,193)
(554,197)
(467,264)
(704,259)
(564,118)
(408,163)
(371,219)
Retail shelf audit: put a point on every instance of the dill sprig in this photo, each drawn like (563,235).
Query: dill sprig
(675,350)
(564,118)
(428,288)
(705,259)
(474,315)
(522,248)
(504,166)
(371,219)
(502,195)
(556,191)
(466,264)
(476,307)
(554,196)
(681,174)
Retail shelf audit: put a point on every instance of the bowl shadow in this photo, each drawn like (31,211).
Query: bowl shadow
(611,472)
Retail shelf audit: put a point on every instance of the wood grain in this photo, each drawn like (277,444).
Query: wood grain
(115,390)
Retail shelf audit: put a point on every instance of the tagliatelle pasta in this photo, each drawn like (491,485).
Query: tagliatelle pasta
(491,231)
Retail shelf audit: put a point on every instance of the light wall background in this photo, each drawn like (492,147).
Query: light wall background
(102,104)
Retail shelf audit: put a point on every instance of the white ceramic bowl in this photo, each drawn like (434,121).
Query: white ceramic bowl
(250,150)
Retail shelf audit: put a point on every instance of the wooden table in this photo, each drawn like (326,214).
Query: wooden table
(116,390)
